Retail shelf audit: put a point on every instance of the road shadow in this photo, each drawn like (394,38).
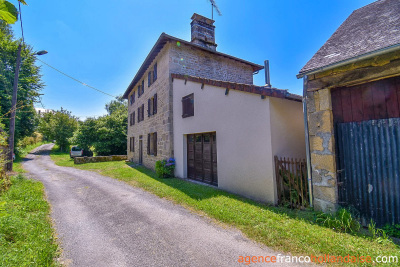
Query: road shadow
(200,191)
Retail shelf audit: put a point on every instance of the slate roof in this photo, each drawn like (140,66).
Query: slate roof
(368,29)
(162,40)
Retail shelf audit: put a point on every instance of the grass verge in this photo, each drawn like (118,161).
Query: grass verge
(26,234)
(282,229)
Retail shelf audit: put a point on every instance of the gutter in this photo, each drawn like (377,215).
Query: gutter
(351,60)
(308,159)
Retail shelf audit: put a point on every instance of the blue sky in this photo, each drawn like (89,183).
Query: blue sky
(103,43)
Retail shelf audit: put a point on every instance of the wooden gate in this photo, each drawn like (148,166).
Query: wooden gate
(202,157)
(291,182)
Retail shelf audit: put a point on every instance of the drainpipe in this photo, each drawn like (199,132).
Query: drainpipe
(308,159)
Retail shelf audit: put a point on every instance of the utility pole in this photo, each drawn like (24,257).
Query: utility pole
(13,112)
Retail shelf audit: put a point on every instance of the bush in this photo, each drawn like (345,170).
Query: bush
(392,230)
(165,168)
(30,140)
(342,221)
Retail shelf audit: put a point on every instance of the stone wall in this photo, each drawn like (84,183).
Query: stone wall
(181,59)
(160,122)
(323,163)
(195,62)
(81,160)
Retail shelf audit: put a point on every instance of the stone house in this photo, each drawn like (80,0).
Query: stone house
(193,103)
(352,89)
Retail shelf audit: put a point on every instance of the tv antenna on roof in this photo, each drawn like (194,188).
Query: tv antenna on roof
(214,5)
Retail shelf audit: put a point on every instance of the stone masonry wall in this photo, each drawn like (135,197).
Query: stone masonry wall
(160,122)
(180,59)
(195,62)
(322,147)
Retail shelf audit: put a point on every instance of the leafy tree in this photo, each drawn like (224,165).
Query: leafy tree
(111,134)
(106,134)
(85,136)
(29,84)
(116,106)
(4,179)
(8,12)
(59,126)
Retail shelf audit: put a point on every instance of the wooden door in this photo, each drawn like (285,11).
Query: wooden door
(202,157)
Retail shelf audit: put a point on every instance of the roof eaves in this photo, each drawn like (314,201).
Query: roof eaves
(153,53)
(350,60)
(249,88)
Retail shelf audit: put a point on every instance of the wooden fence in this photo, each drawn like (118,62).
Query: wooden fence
(291,182)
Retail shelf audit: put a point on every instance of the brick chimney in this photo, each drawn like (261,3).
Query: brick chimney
(203,32)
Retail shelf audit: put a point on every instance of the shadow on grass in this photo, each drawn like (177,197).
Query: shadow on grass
(199,192)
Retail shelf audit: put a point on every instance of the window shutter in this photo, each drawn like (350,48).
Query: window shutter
(133,118)
(139,92)
(155,103)
(148,144)
(130,119)
(142,86)
(133,144)
(134,93)
(155,143)
(149,79)
(138,115)
(185,107)
(148,107)
(155,72)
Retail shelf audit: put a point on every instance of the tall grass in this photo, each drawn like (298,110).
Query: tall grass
(26,234)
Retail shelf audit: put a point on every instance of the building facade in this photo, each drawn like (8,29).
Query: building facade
(352,87)
(200,106)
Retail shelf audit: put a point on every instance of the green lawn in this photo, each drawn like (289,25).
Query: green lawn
(26,234)
(279,228)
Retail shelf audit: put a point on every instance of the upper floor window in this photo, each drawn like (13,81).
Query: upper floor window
(149,79)
(152,105)
(142,87)
(132,119)
(155,72)
(132,100)
(188,106)
(139,91)
(140,113)
(152,75)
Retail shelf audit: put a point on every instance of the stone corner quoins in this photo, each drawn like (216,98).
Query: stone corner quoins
(323,162)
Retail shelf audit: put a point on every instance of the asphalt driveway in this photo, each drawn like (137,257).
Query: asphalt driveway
(101,221)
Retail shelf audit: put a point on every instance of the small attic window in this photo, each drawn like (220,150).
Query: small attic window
(188,106)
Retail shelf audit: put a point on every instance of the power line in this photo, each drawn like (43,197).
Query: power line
(84,84)
(63,73)
(20,18)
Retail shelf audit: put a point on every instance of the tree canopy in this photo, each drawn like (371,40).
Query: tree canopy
(106,134)
(29,84)
(59,126)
